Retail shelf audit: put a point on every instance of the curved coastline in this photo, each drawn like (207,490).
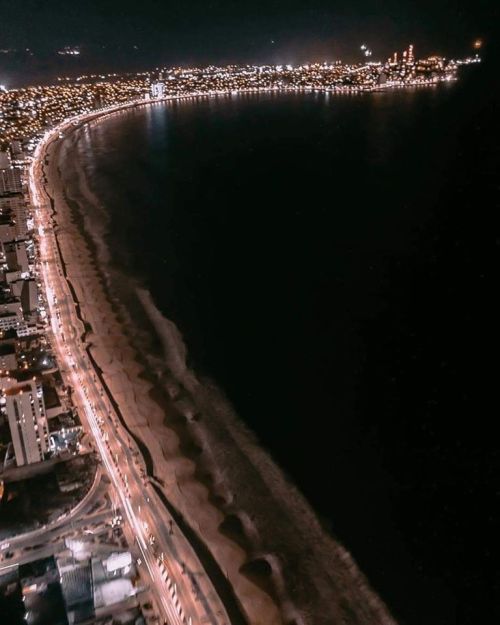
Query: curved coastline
(262,533)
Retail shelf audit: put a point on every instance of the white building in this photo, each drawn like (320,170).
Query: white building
(27,421)
(158,89)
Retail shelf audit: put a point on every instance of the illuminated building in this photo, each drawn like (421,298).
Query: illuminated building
(158,88)
(29,296)
(26,114)
(25,410)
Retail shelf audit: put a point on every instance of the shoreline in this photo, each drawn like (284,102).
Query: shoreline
(216,575)
(125,377)
(258,546)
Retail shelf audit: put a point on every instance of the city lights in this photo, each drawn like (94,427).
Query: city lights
(30,111)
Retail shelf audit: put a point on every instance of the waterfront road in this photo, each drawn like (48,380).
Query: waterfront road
(52,540)
(182,591)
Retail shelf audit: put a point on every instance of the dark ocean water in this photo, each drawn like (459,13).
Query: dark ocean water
(329,261)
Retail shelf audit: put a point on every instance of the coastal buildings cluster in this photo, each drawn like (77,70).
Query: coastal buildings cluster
(62,535)
(26,112)
(33,402)
(61,538)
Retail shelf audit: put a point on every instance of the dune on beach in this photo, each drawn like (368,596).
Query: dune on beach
(283,566)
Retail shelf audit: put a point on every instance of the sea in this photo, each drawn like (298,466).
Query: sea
(328,261)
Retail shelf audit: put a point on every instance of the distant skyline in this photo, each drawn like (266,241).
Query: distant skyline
(221,30)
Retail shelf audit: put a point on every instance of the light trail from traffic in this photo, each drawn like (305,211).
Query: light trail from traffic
(173,595)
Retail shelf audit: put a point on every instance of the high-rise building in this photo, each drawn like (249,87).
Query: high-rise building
(158,88)
(29,430)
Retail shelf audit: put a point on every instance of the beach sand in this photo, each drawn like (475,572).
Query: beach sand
(263,535)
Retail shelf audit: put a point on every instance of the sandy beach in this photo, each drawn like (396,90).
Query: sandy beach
(254,528)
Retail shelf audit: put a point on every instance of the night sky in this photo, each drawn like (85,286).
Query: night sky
(133,35)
